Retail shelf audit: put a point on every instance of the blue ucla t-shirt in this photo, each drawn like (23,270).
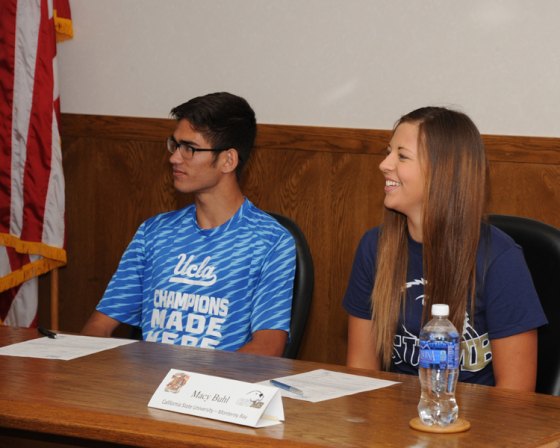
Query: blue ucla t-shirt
(506,302)
(208,288)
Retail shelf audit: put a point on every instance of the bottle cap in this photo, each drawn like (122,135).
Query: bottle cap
(440,309)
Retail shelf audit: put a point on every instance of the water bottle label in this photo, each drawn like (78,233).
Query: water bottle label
(439,354)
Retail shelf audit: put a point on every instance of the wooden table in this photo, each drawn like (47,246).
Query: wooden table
(101,401)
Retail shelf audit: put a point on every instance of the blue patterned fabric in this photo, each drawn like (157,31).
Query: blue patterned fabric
(207,288)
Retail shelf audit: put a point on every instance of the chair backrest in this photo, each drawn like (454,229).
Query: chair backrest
(541,247)
(303,286)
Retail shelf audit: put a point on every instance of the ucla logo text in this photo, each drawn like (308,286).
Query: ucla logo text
(191,273)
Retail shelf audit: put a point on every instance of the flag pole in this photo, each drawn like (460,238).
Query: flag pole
(54,299)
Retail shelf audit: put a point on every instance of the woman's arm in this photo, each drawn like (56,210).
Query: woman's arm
(361,345)
(514,360)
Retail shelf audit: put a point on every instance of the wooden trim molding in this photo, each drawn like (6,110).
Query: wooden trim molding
(516,149)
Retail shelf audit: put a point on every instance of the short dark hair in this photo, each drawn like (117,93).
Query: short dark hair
(224,119)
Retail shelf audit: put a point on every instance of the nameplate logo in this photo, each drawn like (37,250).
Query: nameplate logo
(218,398)
(191,273)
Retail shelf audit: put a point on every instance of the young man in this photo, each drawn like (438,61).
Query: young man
(218,273)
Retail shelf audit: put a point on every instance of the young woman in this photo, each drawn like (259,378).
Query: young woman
(434,247)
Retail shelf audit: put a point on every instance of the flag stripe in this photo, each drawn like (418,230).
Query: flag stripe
(7,61)
(17,262)
(39,138)
(27,34)
(23,309)
(53,232)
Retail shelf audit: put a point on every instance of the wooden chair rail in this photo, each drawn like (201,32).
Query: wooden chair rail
(517,149)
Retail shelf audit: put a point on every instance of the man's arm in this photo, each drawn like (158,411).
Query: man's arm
(266,342)
(99,324)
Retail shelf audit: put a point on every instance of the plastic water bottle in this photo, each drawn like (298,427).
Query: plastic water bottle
(439,369)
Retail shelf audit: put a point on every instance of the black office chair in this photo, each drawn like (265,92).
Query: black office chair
(303,286)
(541,246)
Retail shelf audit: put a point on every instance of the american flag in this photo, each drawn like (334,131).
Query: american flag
(31,177)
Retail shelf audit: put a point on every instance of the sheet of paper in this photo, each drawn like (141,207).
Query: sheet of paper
(319,385)
(63,347)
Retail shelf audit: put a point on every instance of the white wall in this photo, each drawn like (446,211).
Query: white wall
(351,63)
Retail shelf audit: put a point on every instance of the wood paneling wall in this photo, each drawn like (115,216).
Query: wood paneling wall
(326,179)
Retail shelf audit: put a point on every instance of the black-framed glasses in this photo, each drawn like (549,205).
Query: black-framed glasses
(186,149)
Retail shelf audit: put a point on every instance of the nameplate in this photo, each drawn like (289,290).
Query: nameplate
(218,398)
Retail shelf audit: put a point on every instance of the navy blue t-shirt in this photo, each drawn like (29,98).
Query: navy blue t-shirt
(506,302)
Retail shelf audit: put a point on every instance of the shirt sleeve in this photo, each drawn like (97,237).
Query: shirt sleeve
(123,297)
(357,299)
(512,304)
(272,301)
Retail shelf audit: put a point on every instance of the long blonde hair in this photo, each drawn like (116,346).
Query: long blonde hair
(454,201)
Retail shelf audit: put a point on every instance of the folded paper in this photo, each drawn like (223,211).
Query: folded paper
(248,404)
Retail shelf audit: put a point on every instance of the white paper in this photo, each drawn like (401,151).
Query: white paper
(63,347)
(319,385)
(219,399)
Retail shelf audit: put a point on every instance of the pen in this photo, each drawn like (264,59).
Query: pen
(48,333)
(287,387)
